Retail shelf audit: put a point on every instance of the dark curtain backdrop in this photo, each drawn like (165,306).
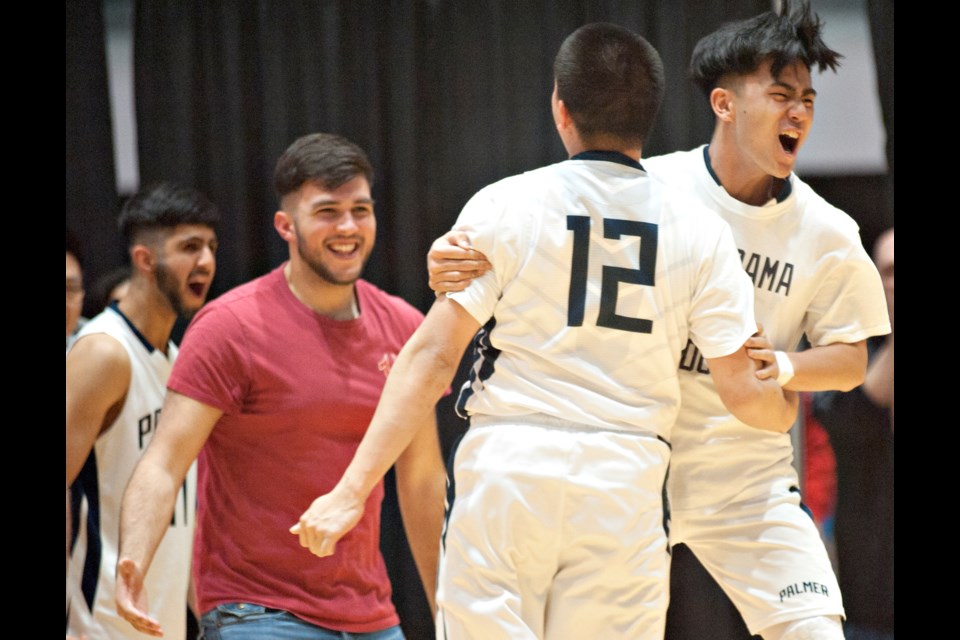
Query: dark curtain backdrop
(445,96)
(91,197)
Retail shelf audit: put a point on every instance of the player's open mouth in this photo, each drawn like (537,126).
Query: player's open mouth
(343,248)
(789,141)
(197,288)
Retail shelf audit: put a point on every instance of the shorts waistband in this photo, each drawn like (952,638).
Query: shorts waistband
(553,422)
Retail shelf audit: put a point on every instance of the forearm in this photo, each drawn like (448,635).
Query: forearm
(145,511)
(760,403)
(417,379)
(421,505)
(768,407)
(834,367)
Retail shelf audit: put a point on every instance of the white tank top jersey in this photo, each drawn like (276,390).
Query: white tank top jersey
(811,275)
(600,275)
(98,492)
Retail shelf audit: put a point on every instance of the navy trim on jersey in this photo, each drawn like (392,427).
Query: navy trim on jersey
(803,506)
(451,488)
(86,486)
(609,156)
(484,358)
(785,190)
(665,499)
(146,344)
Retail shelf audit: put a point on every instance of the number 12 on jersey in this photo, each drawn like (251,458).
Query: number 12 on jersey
(612,276)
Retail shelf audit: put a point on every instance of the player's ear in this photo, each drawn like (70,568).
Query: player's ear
(722,102)
(561,115)
(283,223)
(142,258)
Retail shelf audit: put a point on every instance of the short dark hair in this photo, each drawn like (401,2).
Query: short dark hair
(739,48)
(611,81)
(164,206)
(324,158)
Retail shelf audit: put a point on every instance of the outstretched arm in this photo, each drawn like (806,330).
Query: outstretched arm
(421,485)
(453,264)
(421,373)
(98,376)
(148,500)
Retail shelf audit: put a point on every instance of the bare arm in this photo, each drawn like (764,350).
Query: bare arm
(839,366)
(759,403)
(421,484)
(98,377)
(423,370)
(453,264)
(148,500)
(97,380)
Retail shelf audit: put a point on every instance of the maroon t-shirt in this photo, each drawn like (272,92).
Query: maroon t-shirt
(298,391)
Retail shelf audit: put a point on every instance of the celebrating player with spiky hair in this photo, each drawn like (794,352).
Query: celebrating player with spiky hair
(733,489)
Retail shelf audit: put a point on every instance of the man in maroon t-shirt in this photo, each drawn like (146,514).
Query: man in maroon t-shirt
(274,387)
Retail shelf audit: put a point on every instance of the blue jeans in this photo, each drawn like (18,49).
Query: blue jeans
(245,621)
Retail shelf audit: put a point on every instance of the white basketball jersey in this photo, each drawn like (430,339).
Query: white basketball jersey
(812,276)
(91,575)
(600,275)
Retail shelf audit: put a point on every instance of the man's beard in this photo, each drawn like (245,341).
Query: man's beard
(320,269)
(170,288)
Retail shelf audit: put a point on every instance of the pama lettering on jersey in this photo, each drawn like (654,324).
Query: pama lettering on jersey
(146,425)
(799,588)
(692,360)
(767,273)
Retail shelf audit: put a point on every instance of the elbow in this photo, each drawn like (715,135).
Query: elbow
(784,421)
(768,412)
(776,422)
(853,379)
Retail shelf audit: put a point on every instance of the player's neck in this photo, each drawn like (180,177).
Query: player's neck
(578,146)
(149,311)
(336,301)
(740,178)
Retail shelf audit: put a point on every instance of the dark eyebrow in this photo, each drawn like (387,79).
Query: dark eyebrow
(809,91)
(321,202)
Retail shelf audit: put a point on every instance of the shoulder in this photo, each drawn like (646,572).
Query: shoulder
(103,346)
(519,185)
(249,291)
(98,355)
(106,320)
(238,301)
(834,232)
(386,313)
(673,167)
(106,333)
(691,215)
(376,299)
(817,211)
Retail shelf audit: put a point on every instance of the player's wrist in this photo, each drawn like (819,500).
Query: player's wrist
(785,365)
